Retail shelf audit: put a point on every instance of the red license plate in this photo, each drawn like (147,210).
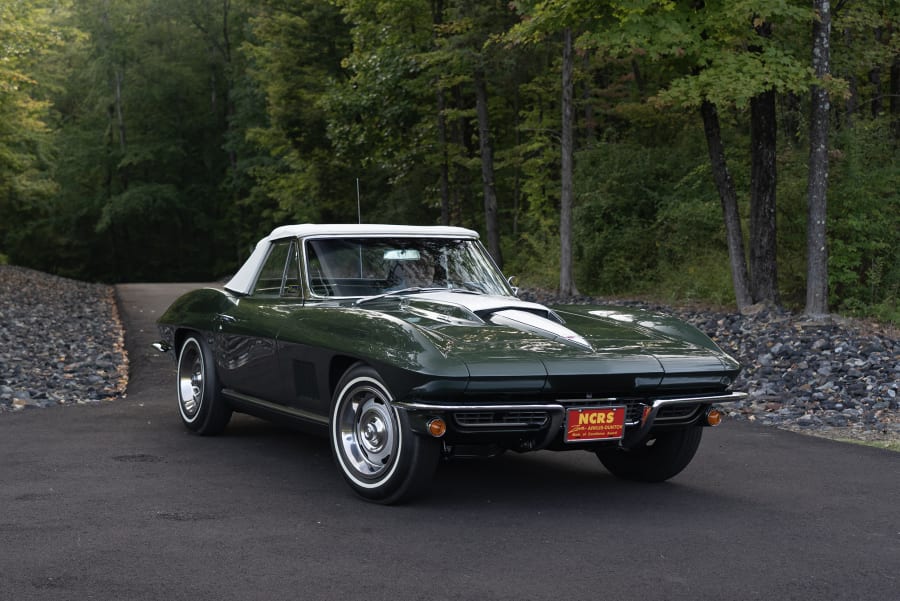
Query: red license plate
(595,423)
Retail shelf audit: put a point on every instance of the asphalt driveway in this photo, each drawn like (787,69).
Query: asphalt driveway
(118,502)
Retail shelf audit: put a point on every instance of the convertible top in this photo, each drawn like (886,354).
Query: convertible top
(242,282)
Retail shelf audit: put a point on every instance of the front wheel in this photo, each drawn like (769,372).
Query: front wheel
(379,456)
(200,403)
(657,459)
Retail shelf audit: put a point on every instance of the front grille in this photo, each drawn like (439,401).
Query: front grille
(501,419)
(677,412)
(535,418)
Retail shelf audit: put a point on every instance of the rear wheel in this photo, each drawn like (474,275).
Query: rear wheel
(379,456)
(659,458)
(199,401)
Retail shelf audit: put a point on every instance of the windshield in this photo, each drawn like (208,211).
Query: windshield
(342,267)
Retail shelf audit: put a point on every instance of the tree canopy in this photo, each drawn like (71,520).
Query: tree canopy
(654,147)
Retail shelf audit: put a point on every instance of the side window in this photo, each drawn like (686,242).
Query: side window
(269,281)
(292,272)
(317,281)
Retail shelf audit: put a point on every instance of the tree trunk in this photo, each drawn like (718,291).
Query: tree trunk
(462,201)
(728,196)
(638,78)
(230,108)
(877,103)
(445,168)
(895,93)
(517,184)
(895,85)
(816,249)
(118,77)
(852,102)
(437,18)
(763,128)
(491,220)
(566,279)
(763,257)
(222,47)
(790,117)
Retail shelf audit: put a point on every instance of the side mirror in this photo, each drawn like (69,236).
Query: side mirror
(511,280)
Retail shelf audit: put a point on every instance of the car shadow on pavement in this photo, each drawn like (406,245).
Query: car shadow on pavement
(561,480)
(573,480)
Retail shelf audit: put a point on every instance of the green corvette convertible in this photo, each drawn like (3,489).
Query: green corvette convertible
(407,345)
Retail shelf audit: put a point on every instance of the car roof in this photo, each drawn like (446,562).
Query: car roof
(365,229)
(243,280)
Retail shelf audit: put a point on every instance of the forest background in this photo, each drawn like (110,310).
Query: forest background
(598,141)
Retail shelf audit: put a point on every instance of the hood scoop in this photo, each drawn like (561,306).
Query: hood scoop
(527,321)
(523,316)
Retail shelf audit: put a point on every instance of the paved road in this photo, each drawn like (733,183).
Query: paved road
(117,502)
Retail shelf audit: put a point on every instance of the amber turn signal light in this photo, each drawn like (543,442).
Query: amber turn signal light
(437,427)
(714,417)
(645,414)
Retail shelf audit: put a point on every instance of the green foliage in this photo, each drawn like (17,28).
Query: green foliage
(141,113)
(534,258)
(649,220)
(27,36)
(294,57)
(379,101)
(791,217)
(616,216)
(864,219)
(724,51)
(159,139)
(537,155)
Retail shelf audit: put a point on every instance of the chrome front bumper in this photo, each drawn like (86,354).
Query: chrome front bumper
(521,417)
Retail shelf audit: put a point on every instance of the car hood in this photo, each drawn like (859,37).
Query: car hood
(569,347)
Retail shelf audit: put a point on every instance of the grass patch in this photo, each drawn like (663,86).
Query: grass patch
(890,445)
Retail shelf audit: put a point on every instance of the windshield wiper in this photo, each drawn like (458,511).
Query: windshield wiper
(411,290)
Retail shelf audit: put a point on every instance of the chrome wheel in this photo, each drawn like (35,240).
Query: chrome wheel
(202,408)
(190,380)
(379,455)
(367,429)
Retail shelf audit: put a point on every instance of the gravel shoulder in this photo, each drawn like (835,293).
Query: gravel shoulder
(61,343)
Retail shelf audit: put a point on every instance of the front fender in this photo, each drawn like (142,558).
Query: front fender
(407,357)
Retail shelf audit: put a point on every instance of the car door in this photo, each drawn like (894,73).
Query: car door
(247,331)
(302,344)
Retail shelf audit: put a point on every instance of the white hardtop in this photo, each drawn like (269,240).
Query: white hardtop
(242,282)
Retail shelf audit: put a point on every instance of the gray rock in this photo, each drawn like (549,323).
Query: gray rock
(53,333)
